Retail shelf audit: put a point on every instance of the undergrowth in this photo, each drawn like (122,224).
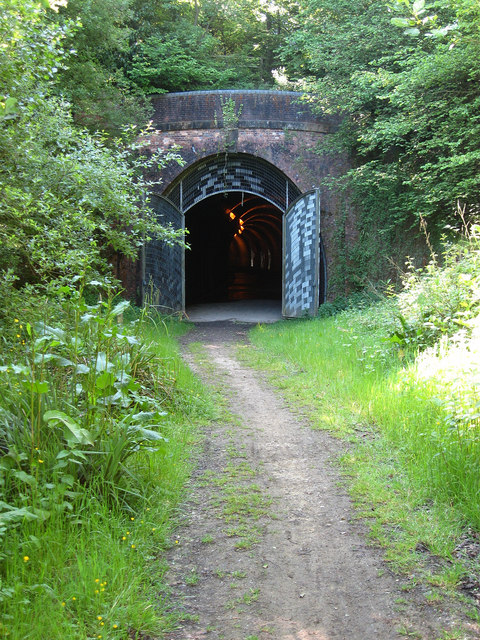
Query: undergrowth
(98,421)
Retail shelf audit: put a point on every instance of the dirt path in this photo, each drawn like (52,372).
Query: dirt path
(269,549)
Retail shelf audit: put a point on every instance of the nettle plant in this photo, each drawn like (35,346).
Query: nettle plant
(77,407)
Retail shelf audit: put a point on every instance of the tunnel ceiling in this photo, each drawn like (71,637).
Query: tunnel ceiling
(232,172)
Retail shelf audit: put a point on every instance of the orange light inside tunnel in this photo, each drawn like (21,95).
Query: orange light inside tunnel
(231,214)
(240,222)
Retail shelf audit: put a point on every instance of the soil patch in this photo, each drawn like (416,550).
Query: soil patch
(270,547)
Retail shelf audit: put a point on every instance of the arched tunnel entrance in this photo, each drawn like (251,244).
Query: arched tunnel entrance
(235,250)
(253,236)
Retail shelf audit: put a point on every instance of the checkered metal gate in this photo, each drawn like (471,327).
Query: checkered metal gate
(163,264)
(231,172)
(301,256)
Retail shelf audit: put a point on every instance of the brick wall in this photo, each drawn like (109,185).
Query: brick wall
(291,152)
(255,109)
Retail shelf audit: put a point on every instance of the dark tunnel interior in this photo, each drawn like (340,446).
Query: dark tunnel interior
(235,250)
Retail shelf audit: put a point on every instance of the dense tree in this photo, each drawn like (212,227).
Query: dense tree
(182,60)
(68,199)
(207,44)
(405,81)
(95,81)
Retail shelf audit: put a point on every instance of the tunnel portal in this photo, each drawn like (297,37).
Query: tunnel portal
(247,193)
(235,253)
(251,234)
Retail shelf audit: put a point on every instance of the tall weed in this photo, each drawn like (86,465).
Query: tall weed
(97,426)
(74,407)
(440,299)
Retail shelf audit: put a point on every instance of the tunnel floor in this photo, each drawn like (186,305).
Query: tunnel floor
(248,311)
(235,250)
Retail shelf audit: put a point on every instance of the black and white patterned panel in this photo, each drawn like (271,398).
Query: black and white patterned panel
(218,177)
(301,238)
(232,172)
(163,283)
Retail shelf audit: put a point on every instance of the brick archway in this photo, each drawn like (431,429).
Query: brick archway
(263,143)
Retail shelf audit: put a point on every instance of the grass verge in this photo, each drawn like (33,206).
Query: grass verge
(346,377)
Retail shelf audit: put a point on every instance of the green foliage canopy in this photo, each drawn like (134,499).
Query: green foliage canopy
(68,199)
(408,90)
(179,62)
(206,44)
(404,80)
(95,79)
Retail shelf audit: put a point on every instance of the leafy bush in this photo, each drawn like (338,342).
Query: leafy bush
(441,298)
(179,62)
(77,403)
(96,428)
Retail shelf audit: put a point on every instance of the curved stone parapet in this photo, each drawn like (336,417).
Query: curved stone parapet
(257,109)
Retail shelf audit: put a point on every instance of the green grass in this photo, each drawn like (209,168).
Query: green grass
(192,578)
(81,570)
(248,598)
(240,503)
(413,464)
